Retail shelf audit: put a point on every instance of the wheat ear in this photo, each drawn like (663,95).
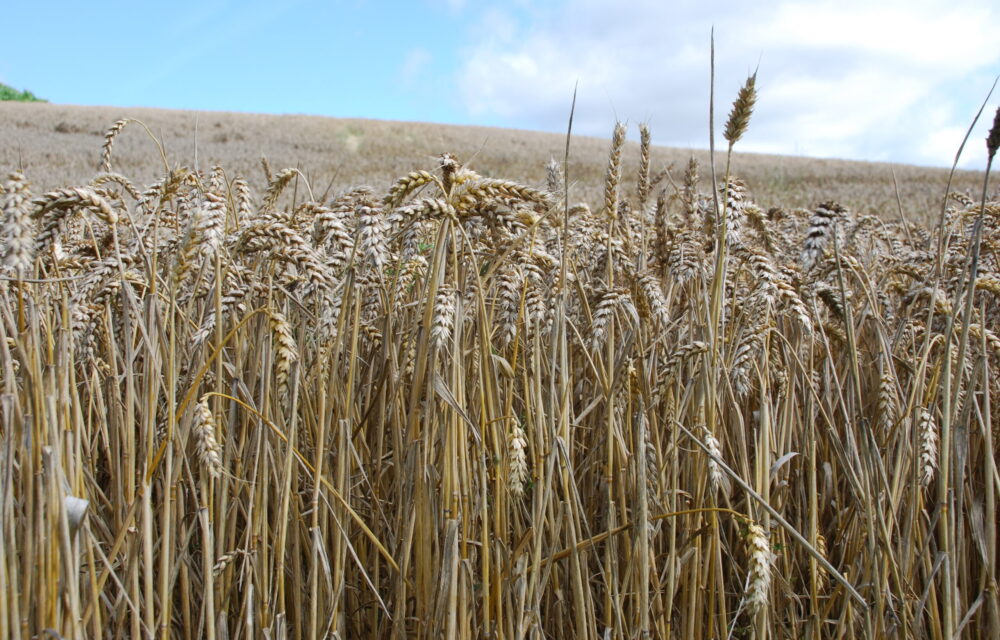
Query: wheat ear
(206,443)
(928,433)
(18,229)
(517,475)
(761,559)
(109,141)
(739,117)
(642,189)
(614,173)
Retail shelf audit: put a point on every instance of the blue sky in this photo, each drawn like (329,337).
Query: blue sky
(888,80)
(300,56)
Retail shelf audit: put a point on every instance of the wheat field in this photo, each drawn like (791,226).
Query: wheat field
(57,145)
(614,403)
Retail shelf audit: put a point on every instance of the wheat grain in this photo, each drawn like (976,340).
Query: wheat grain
(406,185)
(18,230)
(739,116)
(643,183)
(243,200)
(206,443)
(979,332)
(715,473)
(444,317)
(736,199)
(887,405)
(120,180)
(821,228)
(652,295)
(478,191)
(686,261)
(928,432)
(371,240)
(517,472)
(793,303)
(553,177)
(990,284)
(993,137)
(746,352)
(275,187)
(604,313)
(286,352)
(761,558)
(65,199)
(509,284)
(287,245)
(205,234)
(109,141)
(613,174)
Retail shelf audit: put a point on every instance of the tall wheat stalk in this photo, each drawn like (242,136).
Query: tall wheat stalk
(461,406)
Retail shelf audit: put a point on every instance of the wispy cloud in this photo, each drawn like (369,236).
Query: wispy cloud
(893,80)
(414,63)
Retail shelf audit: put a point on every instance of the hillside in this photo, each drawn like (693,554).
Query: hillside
(61,144)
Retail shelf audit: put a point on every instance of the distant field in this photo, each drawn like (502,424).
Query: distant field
(60,144)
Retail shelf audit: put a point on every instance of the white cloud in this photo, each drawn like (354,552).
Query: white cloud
(891,80)
(920,35)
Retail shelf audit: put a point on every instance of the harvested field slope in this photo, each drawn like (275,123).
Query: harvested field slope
(60,144)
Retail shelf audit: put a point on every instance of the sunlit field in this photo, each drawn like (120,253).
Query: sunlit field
(304,378)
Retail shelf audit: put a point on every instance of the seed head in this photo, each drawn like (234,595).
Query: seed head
(518,470)
(993,139)
(614,172)
(207,445)
(739,117)
(761,559)
(928,447)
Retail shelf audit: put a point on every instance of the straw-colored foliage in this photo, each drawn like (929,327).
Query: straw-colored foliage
(457,406)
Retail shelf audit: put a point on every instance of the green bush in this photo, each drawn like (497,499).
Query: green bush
(10,93)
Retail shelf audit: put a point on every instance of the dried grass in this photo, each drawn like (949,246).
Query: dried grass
(386,413)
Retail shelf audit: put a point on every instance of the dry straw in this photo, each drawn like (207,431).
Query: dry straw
(455,406)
